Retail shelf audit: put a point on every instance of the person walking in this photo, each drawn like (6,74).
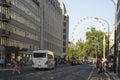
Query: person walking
(105,66)
(15,66)
(99,65)
(2,62)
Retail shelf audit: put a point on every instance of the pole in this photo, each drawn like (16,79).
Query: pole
(104,47)
(115,49)
(108,33)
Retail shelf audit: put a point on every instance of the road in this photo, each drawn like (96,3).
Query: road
(62,72)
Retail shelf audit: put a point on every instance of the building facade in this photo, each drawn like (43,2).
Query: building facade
(117,38)
(111,43)
(27,25)
(55,29)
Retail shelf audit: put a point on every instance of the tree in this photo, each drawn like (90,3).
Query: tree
(92,47)
(81,48)
(94,41)
(72,52)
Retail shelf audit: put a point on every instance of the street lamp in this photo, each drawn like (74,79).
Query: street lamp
(115,43)
(104,36)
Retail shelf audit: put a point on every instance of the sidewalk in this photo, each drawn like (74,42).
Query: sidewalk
(113,76)
(101,76)
(10,68)
(5,68)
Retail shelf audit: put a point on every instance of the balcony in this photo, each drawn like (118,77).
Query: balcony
(5,3)
(4,33)
(6,18)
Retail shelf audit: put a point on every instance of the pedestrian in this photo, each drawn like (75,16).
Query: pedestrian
(100,68)
(15,66)
(2,62)
(104,66)
(110,66)
(97,62)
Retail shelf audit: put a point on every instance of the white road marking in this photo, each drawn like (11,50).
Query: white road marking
(90,74)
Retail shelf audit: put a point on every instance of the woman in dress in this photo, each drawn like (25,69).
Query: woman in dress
(15,66)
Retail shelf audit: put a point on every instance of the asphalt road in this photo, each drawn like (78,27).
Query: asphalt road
(62,72)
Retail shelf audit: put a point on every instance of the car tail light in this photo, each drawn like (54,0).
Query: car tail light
(32,63)
(46,62)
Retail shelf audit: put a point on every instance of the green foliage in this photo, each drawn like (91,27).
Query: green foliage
(93,45)
(94,39)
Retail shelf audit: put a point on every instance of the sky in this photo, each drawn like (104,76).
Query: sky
(80,13)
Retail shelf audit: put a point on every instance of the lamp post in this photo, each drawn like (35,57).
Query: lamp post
(113,2)
(115,66)
(104,36)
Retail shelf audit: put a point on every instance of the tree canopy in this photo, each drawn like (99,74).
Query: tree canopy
(92,47)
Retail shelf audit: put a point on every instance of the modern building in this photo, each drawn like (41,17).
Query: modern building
(55,29)
(27,25)
(117,38)
(65,32)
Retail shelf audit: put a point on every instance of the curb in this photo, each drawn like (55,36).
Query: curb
(9,69)
(113,77)
(108,76)
(5,69)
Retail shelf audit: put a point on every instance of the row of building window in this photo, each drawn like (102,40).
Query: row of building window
(18,31)
(50,10)
(51,46)
(26,10)
(56,6)
(10,42)
(51,38)
(32,4)
(5,26)
(24,21)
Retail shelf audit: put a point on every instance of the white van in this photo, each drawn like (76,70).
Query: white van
(43,59)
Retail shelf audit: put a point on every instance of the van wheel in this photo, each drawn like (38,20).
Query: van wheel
(53,68)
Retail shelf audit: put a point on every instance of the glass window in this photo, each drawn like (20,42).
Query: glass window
(39,55)
(50,56)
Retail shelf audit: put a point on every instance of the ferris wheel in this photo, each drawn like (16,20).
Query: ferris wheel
(79,26)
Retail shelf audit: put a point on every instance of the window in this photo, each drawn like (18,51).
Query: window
(64,30)
(50,56)
(39,55)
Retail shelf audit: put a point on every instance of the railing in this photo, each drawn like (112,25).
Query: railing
(4,33)
(6,18)
(5,3)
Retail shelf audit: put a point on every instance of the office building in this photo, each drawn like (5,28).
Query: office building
(117,40)
(27,25)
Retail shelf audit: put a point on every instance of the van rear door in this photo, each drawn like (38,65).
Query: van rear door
(39,59)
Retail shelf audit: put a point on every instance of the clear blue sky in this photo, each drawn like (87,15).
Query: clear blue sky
(79,9)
